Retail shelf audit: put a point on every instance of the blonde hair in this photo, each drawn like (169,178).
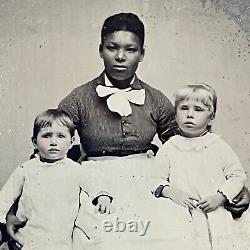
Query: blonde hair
(198,92)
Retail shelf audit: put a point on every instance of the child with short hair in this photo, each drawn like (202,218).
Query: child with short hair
(203,172)
(49,186)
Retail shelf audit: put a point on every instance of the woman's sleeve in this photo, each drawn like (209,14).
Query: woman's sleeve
(162,163)
(11,190)
(70,105)
(234,173)
(166,124)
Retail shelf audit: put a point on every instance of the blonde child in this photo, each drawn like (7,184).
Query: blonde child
(203,172)
(49,187)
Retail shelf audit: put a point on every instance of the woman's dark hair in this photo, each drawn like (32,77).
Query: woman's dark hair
(125,22)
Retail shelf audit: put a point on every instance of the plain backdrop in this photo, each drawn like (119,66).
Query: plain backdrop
(49,47)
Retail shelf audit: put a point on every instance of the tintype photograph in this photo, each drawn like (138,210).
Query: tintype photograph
(124,124)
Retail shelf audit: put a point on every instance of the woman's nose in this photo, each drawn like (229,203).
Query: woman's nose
(120,55)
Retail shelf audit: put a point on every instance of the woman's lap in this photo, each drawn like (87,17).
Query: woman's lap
(139,221)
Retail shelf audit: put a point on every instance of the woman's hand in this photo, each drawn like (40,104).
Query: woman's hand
(211,202)
(241,203)
(180,197)
(12,224)
(104,205)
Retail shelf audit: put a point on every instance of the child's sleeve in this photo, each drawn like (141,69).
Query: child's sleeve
(11,190)
(234,173)
(93,180)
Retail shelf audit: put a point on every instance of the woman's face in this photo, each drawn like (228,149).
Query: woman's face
(121,54)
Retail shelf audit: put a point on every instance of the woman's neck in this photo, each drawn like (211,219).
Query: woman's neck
(120,84)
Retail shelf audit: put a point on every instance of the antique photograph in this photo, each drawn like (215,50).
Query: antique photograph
(124,124)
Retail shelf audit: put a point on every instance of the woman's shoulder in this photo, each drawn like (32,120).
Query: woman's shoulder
(89,86)
(155,96)
(149,88)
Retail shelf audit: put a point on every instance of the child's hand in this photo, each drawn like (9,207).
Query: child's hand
(211,203)
(104,205)
(180,197)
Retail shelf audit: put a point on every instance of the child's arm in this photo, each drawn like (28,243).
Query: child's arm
(95,183)
(234,173)
(235,178)
(166,189)
(11,190)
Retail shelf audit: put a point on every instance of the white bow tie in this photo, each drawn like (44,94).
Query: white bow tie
(119,99)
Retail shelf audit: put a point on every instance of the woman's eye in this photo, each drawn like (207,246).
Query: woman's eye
(61,136)
(132,50)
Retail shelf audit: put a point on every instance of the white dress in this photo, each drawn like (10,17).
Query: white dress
(202,166)
(139,220)
(49,200)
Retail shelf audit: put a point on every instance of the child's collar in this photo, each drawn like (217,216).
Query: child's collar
(181,133)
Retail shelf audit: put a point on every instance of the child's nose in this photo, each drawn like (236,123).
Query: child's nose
(190,113)
(53,140)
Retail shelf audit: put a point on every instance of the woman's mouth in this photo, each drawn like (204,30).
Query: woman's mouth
(120,67)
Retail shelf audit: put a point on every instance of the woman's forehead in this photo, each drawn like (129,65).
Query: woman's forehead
(122,37)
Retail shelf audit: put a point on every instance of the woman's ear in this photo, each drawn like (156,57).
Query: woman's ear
(101,50)
(142,55)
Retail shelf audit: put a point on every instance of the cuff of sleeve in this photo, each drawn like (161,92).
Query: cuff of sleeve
(95,200)
(227,196)
(158,192)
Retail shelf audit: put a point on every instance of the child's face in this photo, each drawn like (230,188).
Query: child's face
(121,53)
(193,117)
(53,142)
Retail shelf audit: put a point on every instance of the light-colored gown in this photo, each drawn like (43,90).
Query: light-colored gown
(203,166)
(49,200)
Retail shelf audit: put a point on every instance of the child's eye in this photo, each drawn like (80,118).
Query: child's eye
(184,107)
(199,109)
(46,135)
(111,47)
(61,136)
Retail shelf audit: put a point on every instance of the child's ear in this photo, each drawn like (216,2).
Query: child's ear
(101,50)
(211,120)
(34,141)
(72,141)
